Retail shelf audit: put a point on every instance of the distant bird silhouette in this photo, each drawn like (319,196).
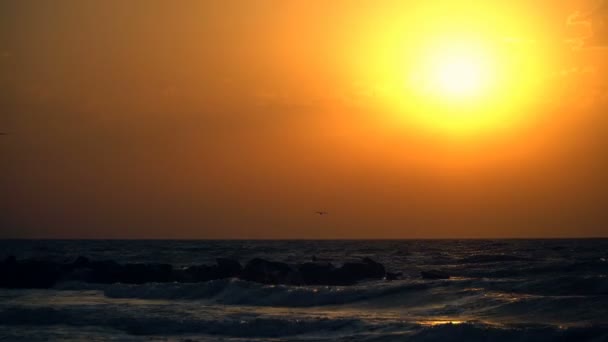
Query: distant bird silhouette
(321,213)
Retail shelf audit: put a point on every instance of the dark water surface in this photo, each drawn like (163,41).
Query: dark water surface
(500,290)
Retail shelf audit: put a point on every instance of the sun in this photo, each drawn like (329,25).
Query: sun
(456,86)
(459,76)
(458,72)
(462,78)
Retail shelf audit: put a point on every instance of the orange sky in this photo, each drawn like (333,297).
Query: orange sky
(240,119)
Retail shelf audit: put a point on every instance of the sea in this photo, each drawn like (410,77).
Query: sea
(499,290)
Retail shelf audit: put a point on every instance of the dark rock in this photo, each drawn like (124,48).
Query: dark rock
(228,268)
(197,273)
(105,272)
(77,274)
(267,272)
(162,272)
(225,268)
(316,273)
(353,272)
(43,274)
(76,270)
(146,273)
(28,274)
(376,269)
(134,274)
(434,274)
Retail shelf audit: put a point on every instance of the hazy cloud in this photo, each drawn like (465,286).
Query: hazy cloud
(591,26)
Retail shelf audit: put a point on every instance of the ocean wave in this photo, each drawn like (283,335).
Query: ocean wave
(554,286)
(162,323)
(239,292)
(156,322)
(382,294)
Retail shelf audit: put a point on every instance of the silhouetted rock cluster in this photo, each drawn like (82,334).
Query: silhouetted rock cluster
(28,274)
(45,274)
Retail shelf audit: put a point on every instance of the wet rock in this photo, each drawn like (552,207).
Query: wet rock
(197,273)
(376,270)
(225,268)
(228,268)
(161,273)
(28,274)
(74,271)
(316,273)
(267,272)
(104,272)
(43,274)
(353,272)
(434,275)
(146,273)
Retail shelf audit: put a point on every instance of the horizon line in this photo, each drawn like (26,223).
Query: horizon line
(304,239)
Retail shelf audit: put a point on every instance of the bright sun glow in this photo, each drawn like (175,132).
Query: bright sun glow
(457,71)
(469,78)
(464,86)
(459,76)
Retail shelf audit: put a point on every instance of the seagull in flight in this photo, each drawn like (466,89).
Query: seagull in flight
(321,213)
